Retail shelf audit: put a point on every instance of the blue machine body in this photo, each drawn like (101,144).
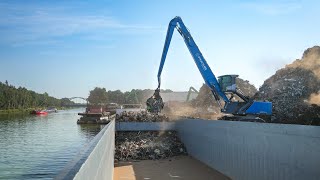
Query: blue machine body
(258,107)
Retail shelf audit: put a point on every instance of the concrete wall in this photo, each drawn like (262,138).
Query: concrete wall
(246,150)
(99,164)
(145,126)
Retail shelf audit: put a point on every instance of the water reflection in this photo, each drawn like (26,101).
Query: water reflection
(89,130)
(33,147)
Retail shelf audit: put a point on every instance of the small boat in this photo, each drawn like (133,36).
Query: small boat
(39,112)
(51,109)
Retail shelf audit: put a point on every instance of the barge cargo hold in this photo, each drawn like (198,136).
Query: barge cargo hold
(237,150)
(179,167)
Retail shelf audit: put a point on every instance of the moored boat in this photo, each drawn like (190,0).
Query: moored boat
(51,109)
(39,112)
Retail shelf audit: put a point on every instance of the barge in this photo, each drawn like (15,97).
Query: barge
(97,114)
(94,118)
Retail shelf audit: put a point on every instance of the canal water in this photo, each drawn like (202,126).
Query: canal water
(39,147)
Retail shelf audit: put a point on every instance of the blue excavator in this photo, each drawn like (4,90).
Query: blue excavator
(225,88)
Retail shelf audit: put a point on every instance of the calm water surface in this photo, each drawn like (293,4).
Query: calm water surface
(38,147)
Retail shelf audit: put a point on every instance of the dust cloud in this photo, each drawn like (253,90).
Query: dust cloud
(314,98)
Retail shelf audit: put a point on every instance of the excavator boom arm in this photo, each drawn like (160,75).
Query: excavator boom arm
(238,108)
(198,58)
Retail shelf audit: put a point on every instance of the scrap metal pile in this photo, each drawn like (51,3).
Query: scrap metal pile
(206,106)
(295,90)
(205,98)
(144,145)
(142,116)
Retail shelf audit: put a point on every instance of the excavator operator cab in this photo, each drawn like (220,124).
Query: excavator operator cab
(228,83)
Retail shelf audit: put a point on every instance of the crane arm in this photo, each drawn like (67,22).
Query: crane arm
(189,92)
(201,63)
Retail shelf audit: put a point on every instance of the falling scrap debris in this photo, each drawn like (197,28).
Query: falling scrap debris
(295,90)
(147,145)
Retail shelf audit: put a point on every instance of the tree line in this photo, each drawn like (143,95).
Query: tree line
(135,96)
(12,97)
(22,98)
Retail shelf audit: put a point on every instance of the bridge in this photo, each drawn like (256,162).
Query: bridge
(79,103)
(239,150)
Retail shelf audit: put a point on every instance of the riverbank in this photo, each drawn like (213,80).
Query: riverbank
(16,111)
(26,111)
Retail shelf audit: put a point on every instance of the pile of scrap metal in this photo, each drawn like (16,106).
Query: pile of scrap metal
(295,90)
(205,99)
(142,116)
(147,145)
(135,112)
(128,109)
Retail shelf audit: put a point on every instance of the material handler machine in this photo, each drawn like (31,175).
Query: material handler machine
(224,87)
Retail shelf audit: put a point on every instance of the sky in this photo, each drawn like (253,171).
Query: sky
(66,48)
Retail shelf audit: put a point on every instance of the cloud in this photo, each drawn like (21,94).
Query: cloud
(272,8)
(31,24)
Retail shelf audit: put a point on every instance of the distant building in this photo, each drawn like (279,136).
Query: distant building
(177,96)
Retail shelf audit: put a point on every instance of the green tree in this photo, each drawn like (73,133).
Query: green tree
(98,96)
(131,97)
(2,97)
(116,97)
(66,102)
(21,98)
